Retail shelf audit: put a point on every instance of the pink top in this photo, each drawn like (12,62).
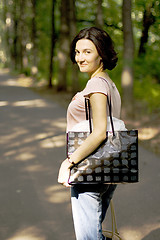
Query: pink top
(76,109)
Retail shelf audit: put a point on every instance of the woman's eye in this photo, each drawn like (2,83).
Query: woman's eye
(88,52)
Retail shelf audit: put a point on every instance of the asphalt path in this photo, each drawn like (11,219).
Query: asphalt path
(33,206)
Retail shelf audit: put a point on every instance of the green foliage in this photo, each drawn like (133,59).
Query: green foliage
(148,91)
(137,16)
(86,13)
(147,80)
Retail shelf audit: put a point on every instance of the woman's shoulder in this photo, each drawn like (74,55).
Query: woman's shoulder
(96,80)
(104,81)
(96,84)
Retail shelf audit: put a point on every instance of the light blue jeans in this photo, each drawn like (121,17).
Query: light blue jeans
(89,206)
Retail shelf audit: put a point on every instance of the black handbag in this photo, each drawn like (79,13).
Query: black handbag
(114,161)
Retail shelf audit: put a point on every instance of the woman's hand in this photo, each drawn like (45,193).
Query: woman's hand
(64,173)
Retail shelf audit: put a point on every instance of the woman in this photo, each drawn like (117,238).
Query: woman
(92,49)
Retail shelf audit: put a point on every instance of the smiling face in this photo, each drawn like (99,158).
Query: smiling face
(87,56)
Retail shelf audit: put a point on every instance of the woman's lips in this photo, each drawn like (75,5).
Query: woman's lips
(83,65)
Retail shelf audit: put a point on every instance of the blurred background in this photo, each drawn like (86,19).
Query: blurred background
(37,81)
(35,38)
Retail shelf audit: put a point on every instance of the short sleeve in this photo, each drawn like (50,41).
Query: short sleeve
(96,85)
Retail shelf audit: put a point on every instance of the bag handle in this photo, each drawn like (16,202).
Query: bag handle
(88,113)
(110,114)
(114,224)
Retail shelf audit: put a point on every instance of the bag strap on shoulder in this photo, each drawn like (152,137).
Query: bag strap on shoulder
(88,111)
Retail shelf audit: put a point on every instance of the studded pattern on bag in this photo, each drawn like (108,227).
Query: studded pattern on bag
(114,161)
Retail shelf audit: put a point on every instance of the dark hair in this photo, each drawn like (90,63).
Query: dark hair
(103,43)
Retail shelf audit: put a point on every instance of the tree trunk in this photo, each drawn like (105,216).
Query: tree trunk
(63,47)
(128,55)
(15,35)
(21,35)
(99,16)
(53,41)
(73,30)
(6,31)
(148,20)
(34,38)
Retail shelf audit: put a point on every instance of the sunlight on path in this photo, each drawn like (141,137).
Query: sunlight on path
(138,233)
(57,194)
(29,233)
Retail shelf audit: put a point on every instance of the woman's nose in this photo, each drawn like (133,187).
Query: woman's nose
(80,57)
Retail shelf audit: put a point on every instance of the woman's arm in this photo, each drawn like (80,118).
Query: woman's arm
(99,112)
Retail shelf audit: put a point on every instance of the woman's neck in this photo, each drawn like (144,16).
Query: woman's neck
(99,73)
(99,70)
